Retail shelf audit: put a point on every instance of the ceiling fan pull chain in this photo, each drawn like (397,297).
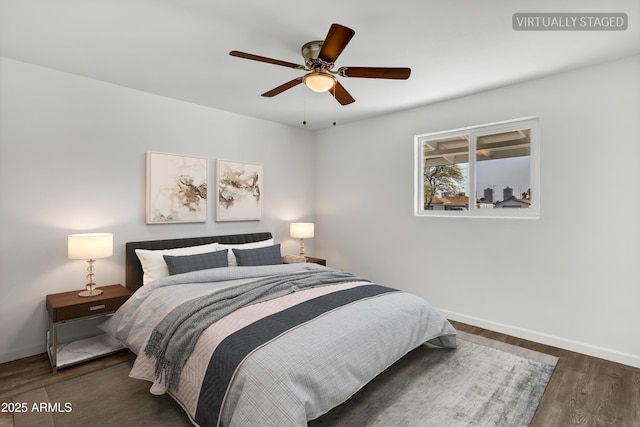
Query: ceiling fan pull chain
(304,106)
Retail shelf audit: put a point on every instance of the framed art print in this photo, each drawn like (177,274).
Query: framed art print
(239,192)
(176,188)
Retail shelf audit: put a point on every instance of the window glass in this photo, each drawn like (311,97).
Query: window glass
(499,178)
(503,169)
(446,170)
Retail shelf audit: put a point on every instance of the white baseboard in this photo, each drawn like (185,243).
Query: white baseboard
(552,340)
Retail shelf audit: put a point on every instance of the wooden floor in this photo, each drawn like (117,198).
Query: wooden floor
(34,372)
(583,390)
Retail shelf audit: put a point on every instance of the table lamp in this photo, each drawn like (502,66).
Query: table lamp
(301,230)
(90,246)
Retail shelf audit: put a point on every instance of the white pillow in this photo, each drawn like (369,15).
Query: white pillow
(232,258)
(154,266)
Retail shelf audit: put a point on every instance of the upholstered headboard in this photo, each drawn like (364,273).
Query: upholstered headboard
(134,268)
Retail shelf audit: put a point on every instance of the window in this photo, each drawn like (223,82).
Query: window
(481,171)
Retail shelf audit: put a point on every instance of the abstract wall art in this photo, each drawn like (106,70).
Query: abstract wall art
(239,191)
(176,188)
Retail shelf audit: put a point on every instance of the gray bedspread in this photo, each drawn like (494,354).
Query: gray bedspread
(299,374)
(174,338)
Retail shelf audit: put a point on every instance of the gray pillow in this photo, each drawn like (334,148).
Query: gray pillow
(258,256)
(187,263)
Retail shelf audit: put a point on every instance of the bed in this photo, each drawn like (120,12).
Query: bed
(253,341)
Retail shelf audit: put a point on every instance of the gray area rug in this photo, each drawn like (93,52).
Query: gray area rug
(483,382)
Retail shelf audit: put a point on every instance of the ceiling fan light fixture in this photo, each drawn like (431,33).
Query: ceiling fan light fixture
(319,58)
(319,82)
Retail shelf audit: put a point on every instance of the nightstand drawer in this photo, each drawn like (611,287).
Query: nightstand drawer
(69,305)
(89,308)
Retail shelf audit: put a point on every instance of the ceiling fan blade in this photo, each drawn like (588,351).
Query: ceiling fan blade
(341,95)
(337,39)
(265,59)
(375,72)
(282,88)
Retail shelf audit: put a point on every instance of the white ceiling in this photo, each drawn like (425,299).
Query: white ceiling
(180,48)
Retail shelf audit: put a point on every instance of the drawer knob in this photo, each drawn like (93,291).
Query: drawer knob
(97,307)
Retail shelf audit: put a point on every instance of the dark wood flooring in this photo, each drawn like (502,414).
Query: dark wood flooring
(583,390)
(34,372)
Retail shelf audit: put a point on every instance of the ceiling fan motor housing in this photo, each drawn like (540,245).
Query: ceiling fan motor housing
(310,53)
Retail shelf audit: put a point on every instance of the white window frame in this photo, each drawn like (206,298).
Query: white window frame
(474,132)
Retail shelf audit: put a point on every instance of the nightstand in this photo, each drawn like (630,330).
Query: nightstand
(68,307)
(317,260)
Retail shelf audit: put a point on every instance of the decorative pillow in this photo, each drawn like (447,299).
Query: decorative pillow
(154,266)
(187,263)
(253,245)
(258,256)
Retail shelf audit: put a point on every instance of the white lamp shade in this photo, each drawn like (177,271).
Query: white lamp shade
(301,230)
(90,245)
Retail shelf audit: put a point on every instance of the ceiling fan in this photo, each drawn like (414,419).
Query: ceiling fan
(320,57)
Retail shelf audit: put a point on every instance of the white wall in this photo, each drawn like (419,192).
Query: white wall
(72,159)
(569,279)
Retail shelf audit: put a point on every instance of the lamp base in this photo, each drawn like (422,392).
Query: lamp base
(94,293)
